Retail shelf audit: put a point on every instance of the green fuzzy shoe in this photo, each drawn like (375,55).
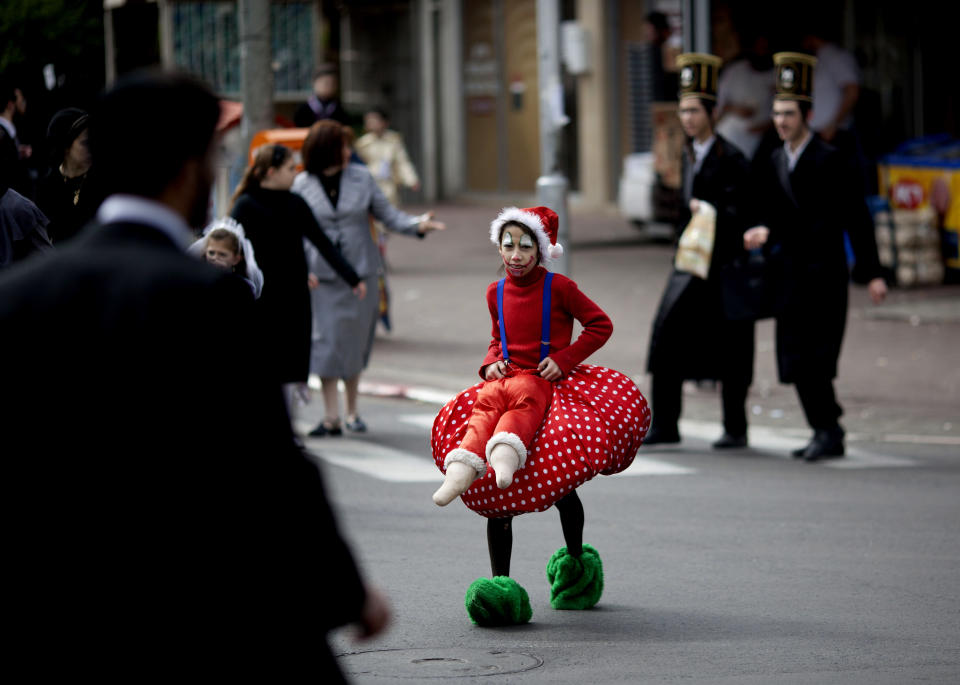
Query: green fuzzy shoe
(498,601)
(575,582)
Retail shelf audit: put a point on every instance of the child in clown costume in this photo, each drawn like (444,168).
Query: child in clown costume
(542,421)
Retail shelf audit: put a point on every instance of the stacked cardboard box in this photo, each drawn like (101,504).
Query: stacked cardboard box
(909,244)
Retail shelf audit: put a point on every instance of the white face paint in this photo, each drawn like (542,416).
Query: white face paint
(525,240)
(518,251)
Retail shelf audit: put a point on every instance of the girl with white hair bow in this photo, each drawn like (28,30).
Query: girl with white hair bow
(225,246)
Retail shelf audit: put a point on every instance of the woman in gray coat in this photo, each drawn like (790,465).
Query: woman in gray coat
(342,197)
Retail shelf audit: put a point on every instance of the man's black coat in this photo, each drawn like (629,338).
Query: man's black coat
(159,518)
(691,336)
(807,211)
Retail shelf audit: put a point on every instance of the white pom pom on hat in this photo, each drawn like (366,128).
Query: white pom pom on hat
(542,221)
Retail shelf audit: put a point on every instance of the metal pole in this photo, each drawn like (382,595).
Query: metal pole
(552,185)
(109,45)
(701,26)
(256,75)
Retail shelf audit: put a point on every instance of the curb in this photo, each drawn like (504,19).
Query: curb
(407,392)
(396,391)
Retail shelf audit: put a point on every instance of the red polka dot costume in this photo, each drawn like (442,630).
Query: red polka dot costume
(590,421)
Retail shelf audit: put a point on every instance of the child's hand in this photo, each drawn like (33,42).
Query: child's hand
(549,370)
(360,290)
(312,281)
(495,371)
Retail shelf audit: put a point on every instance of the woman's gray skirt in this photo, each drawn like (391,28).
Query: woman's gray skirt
(343,328)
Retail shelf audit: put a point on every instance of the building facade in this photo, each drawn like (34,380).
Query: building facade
(459,77)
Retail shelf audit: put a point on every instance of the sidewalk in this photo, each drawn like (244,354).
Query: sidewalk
(899,372)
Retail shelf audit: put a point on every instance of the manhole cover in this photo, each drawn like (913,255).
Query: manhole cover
(437,663)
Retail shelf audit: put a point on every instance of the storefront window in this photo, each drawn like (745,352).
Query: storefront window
(206,42)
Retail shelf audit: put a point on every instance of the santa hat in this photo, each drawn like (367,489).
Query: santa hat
(542,221)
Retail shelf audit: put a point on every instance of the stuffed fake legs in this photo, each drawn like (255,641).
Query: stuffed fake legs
(505,462)
(461,468)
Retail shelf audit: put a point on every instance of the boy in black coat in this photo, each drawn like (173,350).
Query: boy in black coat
(692,337)
(805,197)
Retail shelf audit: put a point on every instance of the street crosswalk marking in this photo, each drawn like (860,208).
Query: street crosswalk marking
(399,466)
(390,464)
(418,420)
(641,466)
(386,463)
(645,466)
(776,443)
(375,460)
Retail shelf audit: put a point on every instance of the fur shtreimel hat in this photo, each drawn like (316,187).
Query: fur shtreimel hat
(542,221)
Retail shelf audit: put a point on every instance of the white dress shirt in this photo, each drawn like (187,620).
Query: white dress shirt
(794,156)
(700,152)
(11,129)
(141,210)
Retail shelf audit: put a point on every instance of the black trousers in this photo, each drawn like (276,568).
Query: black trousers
(667,396)
(819,402)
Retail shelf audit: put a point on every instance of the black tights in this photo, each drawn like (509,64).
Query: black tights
(500,534)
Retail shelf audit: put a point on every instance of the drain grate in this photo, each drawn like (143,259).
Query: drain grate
(436,663)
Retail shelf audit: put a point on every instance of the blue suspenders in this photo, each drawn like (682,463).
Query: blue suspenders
(545,327)
(503,330)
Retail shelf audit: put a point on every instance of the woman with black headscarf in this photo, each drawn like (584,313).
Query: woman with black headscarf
(66,193)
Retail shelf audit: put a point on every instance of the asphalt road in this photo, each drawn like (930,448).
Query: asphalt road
(743,567)
(732,568)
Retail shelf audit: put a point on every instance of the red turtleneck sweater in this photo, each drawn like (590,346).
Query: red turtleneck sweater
(522,316)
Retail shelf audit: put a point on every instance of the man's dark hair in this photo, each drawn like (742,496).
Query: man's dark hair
(659,21)
(805,108)
(325,69)
(323,146)
(709,105)
(147,126)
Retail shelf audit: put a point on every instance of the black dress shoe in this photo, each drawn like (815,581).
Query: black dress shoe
(728,441)
(323,429)
(659,437)
(825,445)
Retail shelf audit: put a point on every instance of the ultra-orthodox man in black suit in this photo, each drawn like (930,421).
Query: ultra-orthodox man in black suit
(160,519)
(805,196)
(692,335)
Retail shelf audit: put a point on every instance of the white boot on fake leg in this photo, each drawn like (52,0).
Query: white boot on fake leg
(462,467)
(505,462)
(506,454)
(456,482)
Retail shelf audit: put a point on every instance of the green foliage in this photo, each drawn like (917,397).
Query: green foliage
(37,32)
